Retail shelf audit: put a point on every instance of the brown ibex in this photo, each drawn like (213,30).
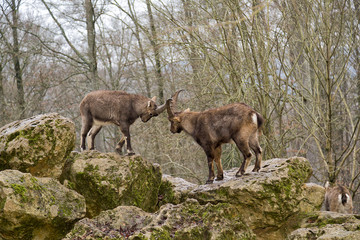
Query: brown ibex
(338,199)
(234,122)
(105,107)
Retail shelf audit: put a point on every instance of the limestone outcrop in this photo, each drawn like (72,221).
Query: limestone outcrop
(36,208)
(108,180)
(328,225)
(38,145)
(48,192)
(264,205)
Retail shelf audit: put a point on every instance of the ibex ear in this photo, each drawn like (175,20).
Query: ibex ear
(153,98)
(187,110)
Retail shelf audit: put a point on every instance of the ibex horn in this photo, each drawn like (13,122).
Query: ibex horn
(161,108)
(174,99)
(168,108)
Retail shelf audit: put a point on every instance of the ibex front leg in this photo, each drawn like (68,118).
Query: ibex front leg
(126,136)
(220,173)
(210,153)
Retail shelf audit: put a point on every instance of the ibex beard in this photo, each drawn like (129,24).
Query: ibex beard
(105,107)
(235,122)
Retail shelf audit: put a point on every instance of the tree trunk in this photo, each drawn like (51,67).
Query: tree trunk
(156,49)
(16,59)
(2,97)
(90,29)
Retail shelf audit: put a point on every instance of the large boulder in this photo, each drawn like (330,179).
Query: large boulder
(36,208)
(328,225)
(188,220)
(268,198)
(37,145)
(108,180)
(266,205)
(272,201)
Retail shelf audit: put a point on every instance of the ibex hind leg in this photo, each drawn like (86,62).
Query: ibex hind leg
(255,146)
(86,126)
(245,150)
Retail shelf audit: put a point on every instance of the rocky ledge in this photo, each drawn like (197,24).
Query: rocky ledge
(49,192)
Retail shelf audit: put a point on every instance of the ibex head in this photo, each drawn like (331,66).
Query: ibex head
(152,110)
(174,117)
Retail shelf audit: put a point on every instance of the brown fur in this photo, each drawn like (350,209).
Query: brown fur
(103,107)
(338,199)
(211,128)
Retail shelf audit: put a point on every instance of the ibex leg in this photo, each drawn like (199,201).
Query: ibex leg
(243,146)
(120,145)
(210,158)
(255,146)
(86,126)
(220,173)
(92,134)
(126,132)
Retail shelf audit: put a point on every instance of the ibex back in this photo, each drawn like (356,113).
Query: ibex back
(210,129)
(104,107)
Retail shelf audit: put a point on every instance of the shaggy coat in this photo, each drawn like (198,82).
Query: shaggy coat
(105,107)
(235,122)
(338,199)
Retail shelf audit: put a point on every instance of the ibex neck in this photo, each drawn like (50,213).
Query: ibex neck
(189,122)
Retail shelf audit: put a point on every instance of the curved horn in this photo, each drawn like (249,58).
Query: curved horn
(168,108)
(160,108)
(170,102)
(174,99)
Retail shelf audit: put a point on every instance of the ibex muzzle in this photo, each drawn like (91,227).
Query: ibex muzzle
(104,107)
(210,129)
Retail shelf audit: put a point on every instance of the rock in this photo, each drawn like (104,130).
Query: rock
(311,198)
(122,221)
(108,180)
(328,225)
(174,189)
(188,220)
(37,145)
(36,208)
(265,205)
(267,200)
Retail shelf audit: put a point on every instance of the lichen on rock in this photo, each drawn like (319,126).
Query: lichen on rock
(37,145)
(188,220)
(36,208)
(108,180)
(328,225)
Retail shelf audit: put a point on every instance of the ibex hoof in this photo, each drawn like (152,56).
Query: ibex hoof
(130,154)
(209,181)
(240,173)
(118,151)
(219,178)
(256,169)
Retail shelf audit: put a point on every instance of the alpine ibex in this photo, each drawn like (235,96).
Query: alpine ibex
(105,107)
(338,199)
(234,122)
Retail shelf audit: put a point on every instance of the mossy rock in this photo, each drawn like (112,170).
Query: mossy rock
(108,180)
(328,225)
(37,145)
(188,220)
(36,208)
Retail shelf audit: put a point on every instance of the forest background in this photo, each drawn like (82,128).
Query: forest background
(297,62)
